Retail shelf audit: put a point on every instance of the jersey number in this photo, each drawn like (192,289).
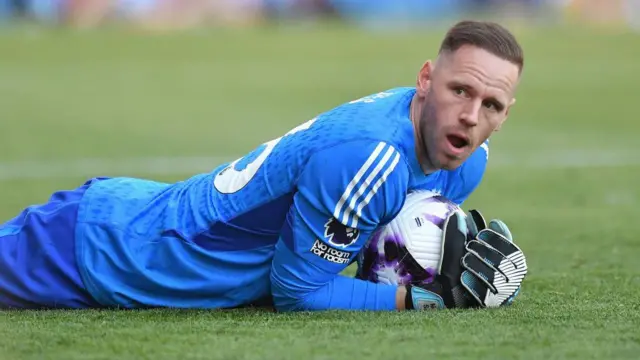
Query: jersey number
(231,180)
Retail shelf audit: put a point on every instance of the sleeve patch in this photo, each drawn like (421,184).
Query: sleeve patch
(330,254)
(337,234)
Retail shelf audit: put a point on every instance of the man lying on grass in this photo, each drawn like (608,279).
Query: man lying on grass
(257,229)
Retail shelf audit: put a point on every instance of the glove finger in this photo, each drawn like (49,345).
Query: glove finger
(472,226)
(498,242)
(501,228)
(474,216)
(488,255)
(507,252)
(476,288)
(481,269)
(505,273)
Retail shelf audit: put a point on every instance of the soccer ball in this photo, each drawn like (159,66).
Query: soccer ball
(409,248)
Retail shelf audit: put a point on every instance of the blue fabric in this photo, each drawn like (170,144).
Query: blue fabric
(38,266)
(280,223)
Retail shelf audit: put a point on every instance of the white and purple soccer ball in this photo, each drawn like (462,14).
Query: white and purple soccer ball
(409,248)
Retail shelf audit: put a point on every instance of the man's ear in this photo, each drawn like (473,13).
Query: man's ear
(506,115)
(424,78)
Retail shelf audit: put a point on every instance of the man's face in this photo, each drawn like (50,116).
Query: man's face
(465,97)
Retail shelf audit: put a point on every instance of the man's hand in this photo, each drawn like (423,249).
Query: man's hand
(480,267)
(476,223)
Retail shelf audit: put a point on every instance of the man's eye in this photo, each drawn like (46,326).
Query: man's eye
(459,91)
(492,106)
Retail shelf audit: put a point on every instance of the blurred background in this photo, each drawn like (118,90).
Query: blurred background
(165,89)
(169,88)
(171,14)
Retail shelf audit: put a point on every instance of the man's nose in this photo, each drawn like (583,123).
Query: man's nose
(471,113)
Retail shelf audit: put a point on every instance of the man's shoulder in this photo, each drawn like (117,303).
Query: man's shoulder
(385,97)
(382,116)
(378,104)
(364,153)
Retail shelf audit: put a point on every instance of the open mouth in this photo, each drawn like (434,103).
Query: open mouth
(458,141)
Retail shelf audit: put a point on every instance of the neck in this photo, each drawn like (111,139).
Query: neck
(415,111)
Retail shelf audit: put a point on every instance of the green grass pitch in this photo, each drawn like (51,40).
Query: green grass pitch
(564,173)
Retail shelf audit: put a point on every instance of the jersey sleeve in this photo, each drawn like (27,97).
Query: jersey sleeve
(466,179)
(344,194)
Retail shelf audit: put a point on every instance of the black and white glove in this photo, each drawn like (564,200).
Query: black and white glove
(476,223)
(480,267)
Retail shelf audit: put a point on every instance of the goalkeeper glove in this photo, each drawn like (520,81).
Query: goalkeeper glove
(476,223)
(481,271)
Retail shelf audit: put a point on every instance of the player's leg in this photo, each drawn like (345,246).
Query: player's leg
(37,256)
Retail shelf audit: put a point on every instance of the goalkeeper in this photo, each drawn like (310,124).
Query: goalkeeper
(279,224)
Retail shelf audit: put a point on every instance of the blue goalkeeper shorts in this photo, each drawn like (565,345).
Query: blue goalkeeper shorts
(38,266)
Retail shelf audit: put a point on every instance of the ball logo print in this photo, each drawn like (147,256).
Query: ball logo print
(409,249)
(340,235)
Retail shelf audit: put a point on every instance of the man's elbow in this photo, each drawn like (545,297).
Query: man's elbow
(286,298)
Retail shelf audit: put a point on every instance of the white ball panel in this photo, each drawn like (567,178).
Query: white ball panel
(417,228)
(422,237)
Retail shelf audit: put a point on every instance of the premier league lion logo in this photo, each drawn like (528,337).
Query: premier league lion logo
(340,235)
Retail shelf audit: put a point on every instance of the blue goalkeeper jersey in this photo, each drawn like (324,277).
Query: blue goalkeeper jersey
(278,224)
